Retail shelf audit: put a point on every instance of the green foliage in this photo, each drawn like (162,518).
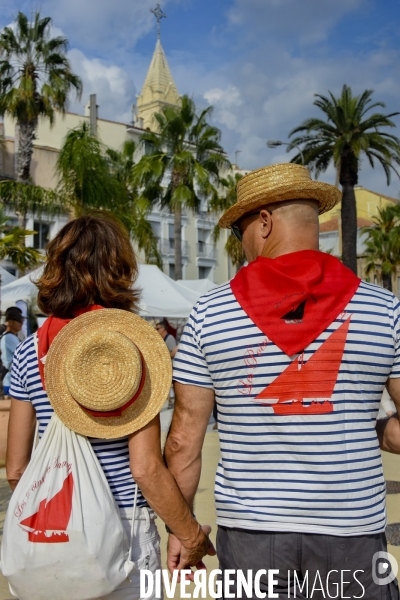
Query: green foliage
(235,252)
(24,197)
(92,177)
(12,245)
(220,204)
(85,180)
(129,207)
(35,74)
(383,244)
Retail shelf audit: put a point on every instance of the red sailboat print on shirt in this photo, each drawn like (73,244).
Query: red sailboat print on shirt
(307,388)
(48,525)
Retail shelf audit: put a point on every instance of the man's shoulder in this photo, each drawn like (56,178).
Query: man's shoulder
(220,293)
(371,293)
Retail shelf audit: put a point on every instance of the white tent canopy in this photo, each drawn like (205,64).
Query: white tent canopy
(161,295)
(199,286)
(6,277)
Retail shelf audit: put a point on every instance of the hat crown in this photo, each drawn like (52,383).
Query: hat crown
(103,370)
(273,176)
(279,183)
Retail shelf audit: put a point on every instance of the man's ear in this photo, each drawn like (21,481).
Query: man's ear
(265,220)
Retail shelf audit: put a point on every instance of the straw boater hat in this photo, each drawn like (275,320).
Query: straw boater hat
(107,373)
(278,183)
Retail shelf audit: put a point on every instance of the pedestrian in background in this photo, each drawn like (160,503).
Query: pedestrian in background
(9,343)
(162,328)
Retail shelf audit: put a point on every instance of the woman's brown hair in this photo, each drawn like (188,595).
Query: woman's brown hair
(90,261)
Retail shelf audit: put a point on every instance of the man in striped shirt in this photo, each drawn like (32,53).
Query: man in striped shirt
(296,351)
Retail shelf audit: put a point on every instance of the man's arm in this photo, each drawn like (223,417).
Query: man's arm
(388,430)
(162,493)
(193,407)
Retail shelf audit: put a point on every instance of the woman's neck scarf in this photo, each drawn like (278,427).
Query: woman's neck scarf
(49,330)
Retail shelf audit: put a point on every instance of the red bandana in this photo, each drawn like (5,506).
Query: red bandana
(50,328)
(295,297)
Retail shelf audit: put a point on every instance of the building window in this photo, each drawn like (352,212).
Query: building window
(42,235)
(172,271)
(202,239)
(156,227)
(171,236)
(12,222)
(204,272)
(148,147)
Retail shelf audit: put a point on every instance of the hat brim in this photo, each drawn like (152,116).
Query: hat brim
(325,194)
(155,390)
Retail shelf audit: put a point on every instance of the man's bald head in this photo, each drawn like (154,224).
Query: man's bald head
(281,228)
(295,211)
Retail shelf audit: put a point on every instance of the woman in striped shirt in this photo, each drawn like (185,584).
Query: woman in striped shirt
(91,262)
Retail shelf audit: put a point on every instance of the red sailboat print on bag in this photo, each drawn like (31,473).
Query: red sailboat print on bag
(307,388)
(48,525)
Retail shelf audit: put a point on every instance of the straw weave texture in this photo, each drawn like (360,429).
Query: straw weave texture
(278,183)
(95,361)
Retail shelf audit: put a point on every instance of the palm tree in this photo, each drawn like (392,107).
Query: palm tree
(85,180)
(181,164)
(93,177)
(24,197)
(346,134)
(12,245)
(220,204)
(383,244)
(129,208)
(35,80)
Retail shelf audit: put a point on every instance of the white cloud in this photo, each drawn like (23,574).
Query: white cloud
(225,103)
(114,88)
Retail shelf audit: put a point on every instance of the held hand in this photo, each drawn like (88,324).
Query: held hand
(180,557)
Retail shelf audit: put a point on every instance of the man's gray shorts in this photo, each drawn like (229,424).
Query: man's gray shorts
(324,566)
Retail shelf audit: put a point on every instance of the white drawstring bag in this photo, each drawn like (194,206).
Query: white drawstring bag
(63,537)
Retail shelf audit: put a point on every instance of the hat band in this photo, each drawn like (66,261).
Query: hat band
(118,411)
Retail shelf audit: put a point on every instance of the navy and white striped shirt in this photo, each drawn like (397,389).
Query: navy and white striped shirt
(318,473)
(113,455)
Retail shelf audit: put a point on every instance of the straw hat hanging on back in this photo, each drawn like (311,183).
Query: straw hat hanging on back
(107,373)
(278,183)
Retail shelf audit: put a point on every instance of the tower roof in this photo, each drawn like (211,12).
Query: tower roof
(159,84)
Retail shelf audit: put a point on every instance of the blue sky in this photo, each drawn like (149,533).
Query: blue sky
(258,62)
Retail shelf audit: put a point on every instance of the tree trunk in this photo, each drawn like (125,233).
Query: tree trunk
(26,135)
(337,177)
(178,241)
(348,179)
(387,281)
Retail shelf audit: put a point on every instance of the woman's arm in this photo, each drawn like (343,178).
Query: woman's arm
(160,490)
(21,431)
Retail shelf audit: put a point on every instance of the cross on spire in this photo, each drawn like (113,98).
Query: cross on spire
(158,13)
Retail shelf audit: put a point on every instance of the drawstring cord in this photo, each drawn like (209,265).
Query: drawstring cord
(133,522)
